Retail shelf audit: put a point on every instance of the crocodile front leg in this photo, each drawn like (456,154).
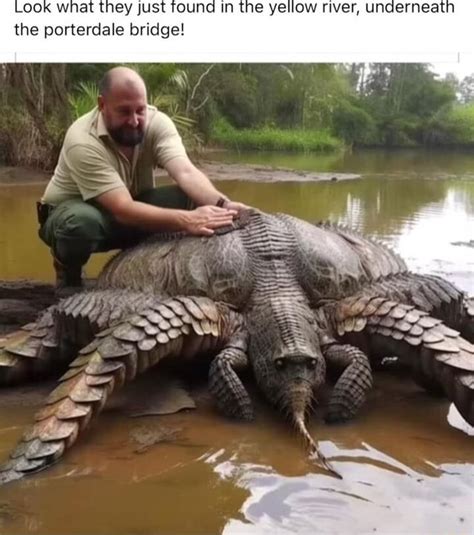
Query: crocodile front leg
(168,328)
(355,380)
(224,383)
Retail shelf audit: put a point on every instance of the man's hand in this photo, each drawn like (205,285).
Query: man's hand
(237,206)
(203,220)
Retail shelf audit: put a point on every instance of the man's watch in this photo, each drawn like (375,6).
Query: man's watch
(221,201)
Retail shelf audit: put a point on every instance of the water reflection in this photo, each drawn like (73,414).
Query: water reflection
(405,469)
(384,501)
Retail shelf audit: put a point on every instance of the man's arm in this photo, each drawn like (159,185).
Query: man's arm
(196,184)
(201,221)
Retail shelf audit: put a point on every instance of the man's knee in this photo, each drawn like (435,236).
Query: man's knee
(74,230)
(81,221)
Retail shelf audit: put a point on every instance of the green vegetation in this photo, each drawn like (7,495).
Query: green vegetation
(270,138)
(293,107)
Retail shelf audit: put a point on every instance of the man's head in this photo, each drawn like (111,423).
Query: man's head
(123,103)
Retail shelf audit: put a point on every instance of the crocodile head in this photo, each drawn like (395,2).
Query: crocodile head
(287,361)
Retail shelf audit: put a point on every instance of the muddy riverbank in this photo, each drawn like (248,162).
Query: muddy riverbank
(10,176)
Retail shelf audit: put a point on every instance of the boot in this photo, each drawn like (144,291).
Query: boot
(68,279)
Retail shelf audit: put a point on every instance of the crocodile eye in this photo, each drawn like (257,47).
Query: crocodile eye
(280,363)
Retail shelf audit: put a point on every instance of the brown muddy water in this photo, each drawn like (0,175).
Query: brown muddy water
(406,468)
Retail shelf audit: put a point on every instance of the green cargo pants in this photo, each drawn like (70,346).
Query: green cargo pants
(75,229)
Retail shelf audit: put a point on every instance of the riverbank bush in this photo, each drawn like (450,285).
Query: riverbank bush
(454,128)
(291,107)
(273,139)
(21,143)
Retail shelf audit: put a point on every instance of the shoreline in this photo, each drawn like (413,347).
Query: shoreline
(216,171)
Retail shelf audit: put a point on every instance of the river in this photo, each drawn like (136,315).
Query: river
(405,468)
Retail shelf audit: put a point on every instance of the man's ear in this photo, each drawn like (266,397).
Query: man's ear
(100,102)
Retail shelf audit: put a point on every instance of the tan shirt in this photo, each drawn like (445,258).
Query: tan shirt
(90,162)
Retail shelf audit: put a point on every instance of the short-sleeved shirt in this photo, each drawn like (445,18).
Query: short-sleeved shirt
(90,162)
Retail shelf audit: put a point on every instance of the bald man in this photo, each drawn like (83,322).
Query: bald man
(102,193)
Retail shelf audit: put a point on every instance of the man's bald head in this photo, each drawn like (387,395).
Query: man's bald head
(123,104)
(120,78)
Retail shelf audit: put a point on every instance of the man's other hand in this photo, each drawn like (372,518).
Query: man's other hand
(203,220)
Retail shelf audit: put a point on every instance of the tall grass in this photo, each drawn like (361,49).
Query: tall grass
(273,139)
(460,123)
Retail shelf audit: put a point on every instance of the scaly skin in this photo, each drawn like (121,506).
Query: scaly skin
(47,346)
(435,351)
(294,292)
(169,328)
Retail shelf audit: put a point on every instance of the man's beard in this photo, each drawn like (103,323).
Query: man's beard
(126,136)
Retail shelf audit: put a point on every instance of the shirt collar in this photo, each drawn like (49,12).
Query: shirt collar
(101,128)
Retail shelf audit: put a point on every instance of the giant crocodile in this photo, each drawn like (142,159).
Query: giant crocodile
(289,299)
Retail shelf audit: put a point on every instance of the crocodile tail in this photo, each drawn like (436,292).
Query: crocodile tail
(114,357)
(438,355)
(30,351)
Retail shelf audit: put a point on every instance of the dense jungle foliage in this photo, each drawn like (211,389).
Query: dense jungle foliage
(297,107)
